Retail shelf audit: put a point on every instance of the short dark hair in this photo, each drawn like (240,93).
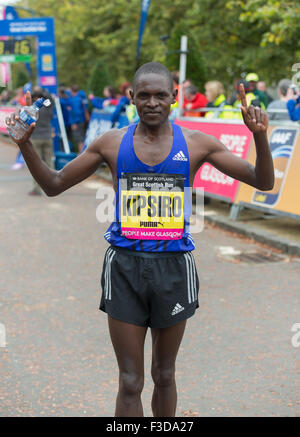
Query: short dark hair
(155,68)
(191,89)
(75,88)
(284,85)
(38,92)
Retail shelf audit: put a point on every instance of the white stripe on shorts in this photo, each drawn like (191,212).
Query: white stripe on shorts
(109,257)
(191,277)
(188,277)
(194,275)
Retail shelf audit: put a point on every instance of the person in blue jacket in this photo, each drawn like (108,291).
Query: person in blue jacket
(79,115)
(121,106)
(66,109)
(293,104)
(110,97)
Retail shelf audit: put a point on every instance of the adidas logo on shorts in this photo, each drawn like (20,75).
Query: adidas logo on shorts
(177,309)
(179,156)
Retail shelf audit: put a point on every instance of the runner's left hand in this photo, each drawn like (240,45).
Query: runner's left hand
(254,117)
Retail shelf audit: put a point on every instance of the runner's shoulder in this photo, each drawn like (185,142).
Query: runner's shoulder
(110,139)
(195,138)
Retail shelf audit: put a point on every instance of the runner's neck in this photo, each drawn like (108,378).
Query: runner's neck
(152,133)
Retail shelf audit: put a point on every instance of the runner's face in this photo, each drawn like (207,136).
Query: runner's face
(153,98)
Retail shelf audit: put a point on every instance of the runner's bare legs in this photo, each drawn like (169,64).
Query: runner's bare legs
(128,341)
(165,345)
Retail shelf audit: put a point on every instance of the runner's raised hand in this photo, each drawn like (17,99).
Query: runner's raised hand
(254,117)
(11,121)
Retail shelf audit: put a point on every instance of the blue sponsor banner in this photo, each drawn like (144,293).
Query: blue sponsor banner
(143,19)
(43,30)
(11,13)
(100,122)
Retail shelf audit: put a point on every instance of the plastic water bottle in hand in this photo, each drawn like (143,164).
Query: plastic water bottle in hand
(28,115)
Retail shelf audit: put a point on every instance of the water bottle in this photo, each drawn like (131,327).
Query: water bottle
(28,115)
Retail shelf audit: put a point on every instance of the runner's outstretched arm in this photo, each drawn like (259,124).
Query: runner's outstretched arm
(262,175)
(55,182)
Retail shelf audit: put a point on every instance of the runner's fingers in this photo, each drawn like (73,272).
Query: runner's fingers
(243,96)
(17,113)
(28,98)
(13,119)
(258,115)
(245,113)
(251,111)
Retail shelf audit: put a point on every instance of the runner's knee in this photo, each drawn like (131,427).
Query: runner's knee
(131,384)
(163,377)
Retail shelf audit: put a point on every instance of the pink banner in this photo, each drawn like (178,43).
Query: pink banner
(4,112)
(237,138)
(153,234)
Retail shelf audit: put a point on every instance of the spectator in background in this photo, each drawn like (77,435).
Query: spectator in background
(214,92)
(262,86)
(79,115)
(5,97)
(123,103)
(192,100)
(19,98)
(251,98)
(252,79)
(66,110)
(293,103)
(41,137)
(281,103)
(110,98)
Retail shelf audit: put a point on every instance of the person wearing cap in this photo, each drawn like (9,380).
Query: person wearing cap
(251,98)
(252,79)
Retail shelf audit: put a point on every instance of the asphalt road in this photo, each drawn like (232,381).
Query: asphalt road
(236,358)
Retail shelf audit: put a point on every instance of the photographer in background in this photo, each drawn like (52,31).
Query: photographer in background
(282,91)
(293,103)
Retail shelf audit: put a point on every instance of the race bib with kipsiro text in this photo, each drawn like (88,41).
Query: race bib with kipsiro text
(152,206)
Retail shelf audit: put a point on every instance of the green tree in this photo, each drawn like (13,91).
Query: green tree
(196,68)
(99,78)
(228,37)
(20,76)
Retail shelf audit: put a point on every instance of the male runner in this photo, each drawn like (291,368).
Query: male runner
(149,276)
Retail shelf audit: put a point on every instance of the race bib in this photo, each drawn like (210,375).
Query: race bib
(152,206)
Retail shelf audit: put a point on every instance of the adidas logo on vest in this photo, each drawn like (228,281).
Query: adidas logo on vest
(177,309)
(179,156)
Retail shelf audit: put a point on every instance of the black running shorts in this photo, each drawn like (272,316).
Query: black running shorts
(149,289)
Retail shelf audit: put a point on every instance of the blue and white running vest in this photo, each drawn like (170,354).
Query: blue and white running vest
(152,203)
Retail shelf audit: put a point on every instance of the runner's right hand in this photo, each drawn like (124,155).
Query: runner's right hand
(11,120)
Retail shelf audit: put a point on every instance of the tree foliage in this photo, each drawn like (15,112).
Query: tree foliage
(226,37)
(98,79)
